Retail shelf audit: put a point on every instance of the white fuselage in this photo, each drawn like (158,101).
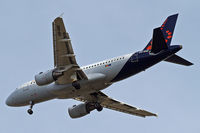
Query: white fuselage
(99,76)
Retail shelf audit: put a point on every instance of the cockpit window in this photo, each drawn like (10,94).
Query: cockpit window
(27,84)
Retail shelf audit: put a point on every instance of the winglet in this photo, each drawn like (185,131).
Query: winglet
(61,15)
(156,115)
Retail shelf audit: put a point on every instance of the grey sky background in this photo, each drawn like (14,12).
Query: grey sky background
(101,30)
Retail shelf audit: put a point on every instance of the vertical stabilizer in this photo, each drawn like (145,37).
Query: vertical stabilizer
(167,29)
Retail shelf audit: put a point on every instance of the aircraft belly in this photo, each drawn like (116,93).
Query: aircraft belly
(95,82)
(23,96)
(85,89)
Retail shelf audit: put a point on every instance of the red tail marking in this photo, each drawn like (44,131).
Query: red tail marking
(169,33)
(149,47)
(165,21)
(169,37)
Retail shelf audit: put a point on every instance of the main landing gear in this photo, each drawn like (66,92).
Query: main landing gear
(92,106)
(76,85)
(98,107)
(30,111)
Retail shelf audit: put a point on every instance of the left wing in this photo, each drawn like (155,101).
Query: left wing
(64,58)
(110,103)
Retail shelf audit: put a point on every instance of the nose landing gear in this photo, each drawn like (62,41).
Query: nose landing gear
(30,111)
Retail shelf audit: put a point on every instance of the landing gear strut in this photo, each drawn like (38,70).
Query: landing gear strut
(30,111)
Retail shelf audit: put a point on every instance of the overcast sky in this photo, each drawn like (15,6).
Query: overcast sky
(99,30)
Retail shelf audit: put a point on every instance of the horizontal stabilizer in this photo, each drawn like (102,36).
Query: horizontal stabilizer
(178,60)
(158,41)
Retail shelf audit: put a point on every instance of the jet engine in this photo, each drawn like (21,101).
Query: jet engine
(44,78)
(83,109)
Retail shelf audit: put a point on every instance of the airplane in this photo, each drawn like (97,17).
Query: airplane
(67,80)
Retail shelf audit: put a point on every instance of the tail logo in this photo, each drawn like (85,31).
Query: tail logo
(167,29)
(163,25)
(169,35)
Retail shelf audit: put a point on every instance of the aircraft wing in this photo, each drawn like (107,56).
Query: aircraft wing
(64,58)
(110,103)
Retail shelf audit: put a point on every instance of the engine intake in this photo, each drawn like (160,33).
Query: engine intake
(44,78)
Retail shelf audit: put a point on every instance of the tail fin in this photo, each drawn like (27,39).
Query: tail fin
(158,41)
(167,29)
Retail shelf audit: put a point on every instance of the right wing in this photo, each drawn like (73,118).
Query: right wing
(110,103)
(64,58)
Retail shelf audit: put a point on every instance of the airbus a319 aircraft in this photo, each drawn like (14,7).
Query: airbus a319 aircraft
(68,80)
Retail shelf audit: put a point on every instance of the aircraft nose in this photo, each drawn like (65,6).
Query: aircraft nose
(10,100)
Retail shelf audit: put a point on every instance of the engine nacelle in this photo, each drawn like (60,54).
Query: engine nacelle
(80,110)
(44,78)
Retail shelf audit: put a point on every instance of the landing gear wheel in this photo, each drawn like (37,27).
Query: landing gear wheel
(30,111)
(98,107)
(76,85)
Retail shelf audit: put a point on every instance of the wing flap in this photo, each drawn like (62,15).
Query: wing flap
(110,103)
(122,107)
(62,45)
(64,57)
